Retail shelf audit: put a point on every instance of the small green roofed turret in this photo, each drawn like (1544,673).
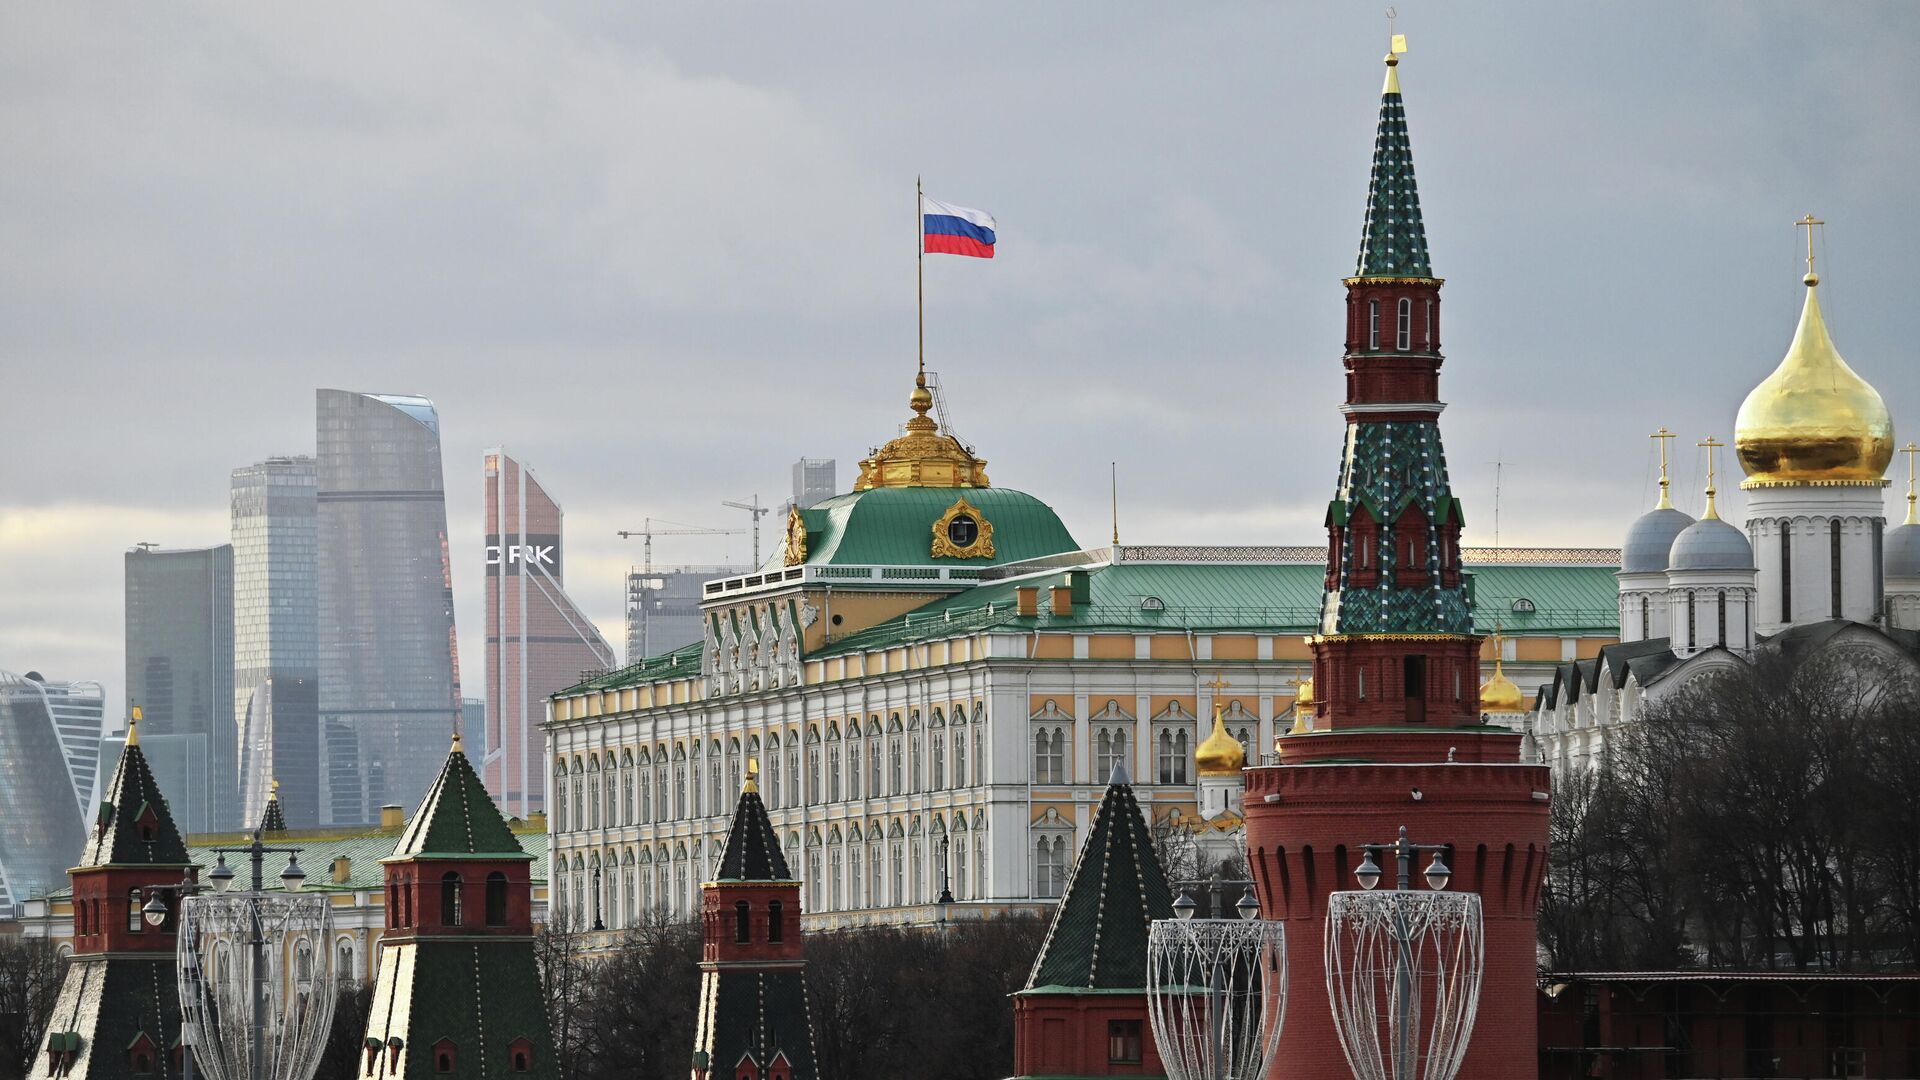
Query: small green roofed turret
(1098,939)
(1393,243)
(457,819)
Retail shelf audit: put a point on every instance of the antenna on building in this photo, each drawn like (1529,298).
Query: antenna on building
(1114,476)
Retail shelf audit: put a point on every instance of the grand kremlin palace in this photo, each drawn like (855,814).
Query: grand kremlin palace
(932,671)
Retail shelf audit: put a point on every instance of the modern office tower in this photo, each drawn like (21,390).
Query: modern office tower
(79,713)
(180,664)
(663,607)
(813,482)
(389,662)
(42,797)
(537,639)
(276,643)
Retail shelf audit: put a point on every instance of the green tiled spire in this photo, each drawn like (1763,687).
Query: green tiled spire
(457,819)
(1394,241)
(275,819)
(1098,940)
(1389,468)
(134,826)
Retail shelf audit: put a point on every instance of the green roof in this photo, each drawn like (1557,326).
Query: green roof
(1393,242)
(892,526)
(134,826)
(1098,938)
(457,818)
(1249,597)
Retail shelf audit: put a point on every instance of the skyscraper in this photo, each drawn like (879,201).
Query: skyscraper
(389,666)
(47,780)
(537,639)
(276,648)
(179,628)
(813,481)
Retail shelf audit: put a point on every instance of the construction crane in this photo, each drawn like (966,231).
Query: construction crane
(646,532)
(758,512)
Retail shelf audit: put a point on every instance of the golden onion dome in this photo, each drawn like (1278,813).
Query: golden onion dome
(1813,420)
(923,457)
(1499,694)
(1302,706)
(1221,754)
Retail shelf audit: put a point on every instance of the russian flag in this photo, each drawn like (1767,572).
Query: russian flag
(955,230)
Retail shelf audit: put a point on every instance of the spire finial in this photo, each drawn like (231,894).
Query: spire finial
(1808,223)
(457,748)
(1661,437)
(1396,47)
(1114,476)
(1712,444)
(752,783)
(1910,450)
(273,791)
(133,727)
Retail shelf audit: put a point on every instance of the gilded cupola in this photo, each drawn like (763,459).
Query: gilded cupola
(1813,421)
(1221,754)
(1499,694)
(923,457)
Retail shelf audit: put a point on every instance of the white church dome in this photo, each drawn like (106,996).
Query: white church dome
(1902,553)
(1649,540)
(1710,544)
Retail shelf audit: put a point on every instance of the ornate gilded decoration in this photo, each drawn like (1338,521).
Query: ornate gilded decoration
(796,537)
(962,533)
(924,456)
(1813,421)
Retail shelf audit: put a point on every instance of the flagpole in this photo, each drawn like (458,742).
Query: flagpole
(920,272)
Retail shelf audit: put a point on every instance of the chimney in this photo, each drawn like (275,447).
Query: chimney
(342,869)
(1062,601)
(1026,600)
(392,818)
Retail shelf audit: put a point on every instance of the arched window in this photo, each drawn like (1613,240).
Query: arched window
(895,775)
(496,899)
(450,899)
(134,925)
(857,880)
(444,1058)
(776,927)
(939,759)
(1373,324)
(1693,637)
(1786,571)
(853,760)
(873,764)
(1722,639)
(1833,532)
(343,964)
(959,757)
(1048,755)
(742,930)
(1403,339)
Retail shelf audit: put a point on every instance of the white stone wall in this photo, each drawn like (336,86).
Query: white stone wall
(1808,514)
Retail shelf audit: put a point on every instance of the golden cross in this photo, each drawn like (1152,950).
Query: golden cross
(1809,222)
(1711,444)
(1910,450)
(1662,436)
(1218,684)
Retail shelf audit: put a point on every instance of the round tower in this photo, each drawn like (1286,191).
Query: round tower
(1396,735)
(1710,581)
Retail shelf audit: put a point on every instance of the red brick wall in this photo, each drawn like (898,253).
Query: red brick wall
(1306,826)
(1066,1035)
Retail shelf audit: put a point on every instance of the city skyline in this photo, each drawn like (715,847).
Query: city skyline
(1689,139)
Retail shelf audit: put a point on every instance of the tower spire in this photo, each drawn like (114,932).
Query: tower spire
(1393,241)
(1712,444)
(1662,436)
(1910,450)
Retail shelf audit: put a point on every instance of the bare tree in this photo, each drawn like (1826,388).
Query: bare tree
(344,1058)
(30,974)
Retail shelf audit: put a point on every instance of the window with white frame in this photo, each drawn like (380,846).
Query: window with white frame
(1109,751)
(1049,754)
(1171,755)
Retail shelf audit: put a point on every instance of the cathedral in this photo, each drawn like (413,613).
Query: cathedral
(1814,567)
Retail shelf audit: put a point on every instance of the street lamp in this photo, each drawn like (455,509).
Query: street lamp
(946,889)
(1216,987)
(597,924)
(1388,952)
(261,1014)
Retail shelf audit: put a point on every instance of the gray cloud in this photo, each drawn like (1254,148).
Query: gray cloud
(661,252)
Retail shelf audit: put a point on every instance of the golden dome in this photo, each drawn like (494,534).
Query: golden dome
(1813,420)
(1221,754)
(1302,706)
(1499,694)
(924,456)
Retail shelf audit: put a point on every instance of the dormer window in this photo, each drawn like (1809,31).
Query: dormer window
(520,1053)
(444,1057)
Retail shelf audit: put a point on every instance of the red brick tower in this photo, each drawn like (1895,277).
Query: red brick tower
(118,1013)
(1395,738)
(753,988)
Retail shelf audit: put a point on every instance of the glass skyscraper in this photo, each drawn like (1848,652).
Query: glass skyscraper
(538,641)
(276,637)
(179,625)
(389,666)
(43,759)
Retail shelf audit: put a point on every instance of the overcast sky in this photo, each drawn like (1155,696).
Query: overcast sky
(661,251)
